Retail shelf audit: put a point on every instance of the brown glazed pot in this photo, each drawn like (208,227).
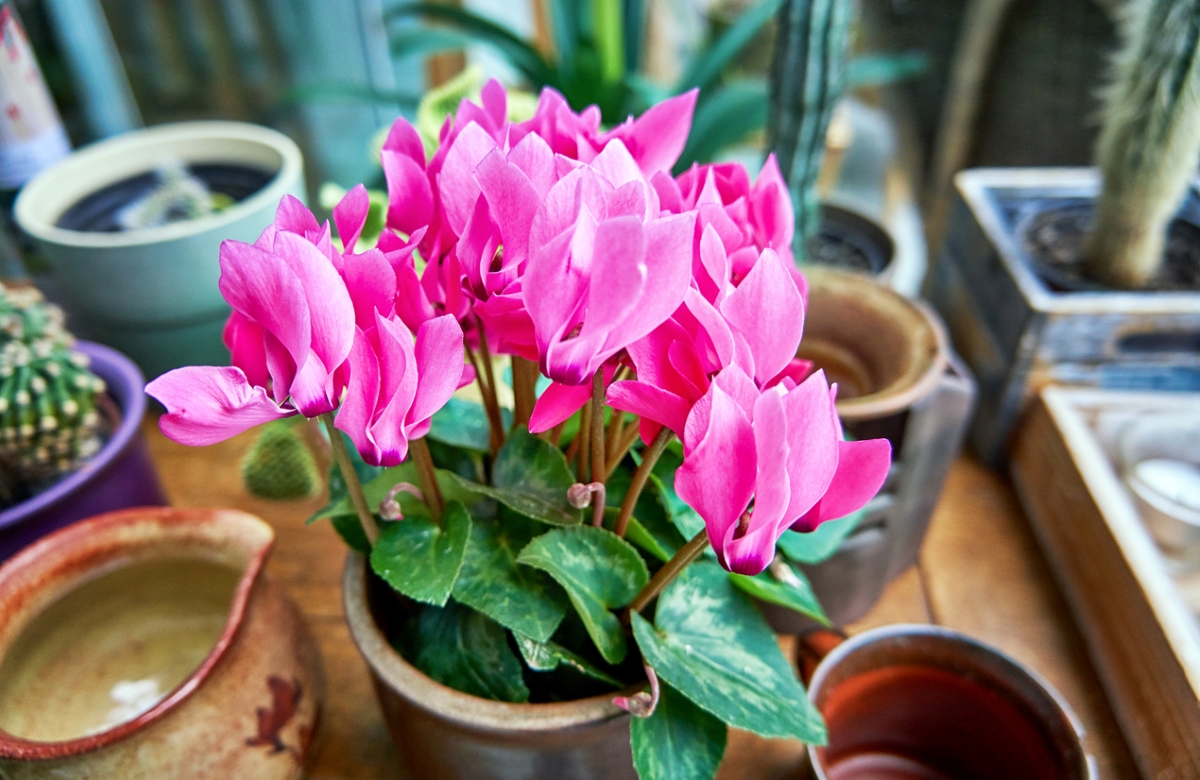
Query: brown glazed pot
(249,710)
(919,701)
(444,734)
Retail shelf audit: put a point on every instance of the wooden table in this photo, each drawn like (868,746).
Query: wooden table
(980,572)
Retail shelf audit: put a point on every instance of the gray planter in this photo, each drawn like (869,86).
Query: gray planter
(1017,333)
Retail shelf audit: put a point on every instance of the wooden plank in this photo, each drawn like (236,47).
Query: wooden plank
(985,575)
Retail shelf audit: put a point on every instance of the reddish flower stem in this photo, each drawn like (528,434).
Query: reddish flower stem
(427,477)
(670,570)
(649,458)
(525,376)
(629,435)
(358,499)
(584,437)
(599,472)
(490,404)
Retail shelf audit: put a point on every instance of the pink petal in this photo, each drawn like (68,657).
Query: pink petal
(718,473)
(410,199)
(207,404)
(768,312)
(456,185)
(657,137)
(294,217)
(650,403)
(362,394)
(556,403)
(812,442)
(772,492)
(513,200)
(398,380)
(405,139)
(371,284)
(861,471)
(439,361)
(244,339)
(350,214)
(771,211)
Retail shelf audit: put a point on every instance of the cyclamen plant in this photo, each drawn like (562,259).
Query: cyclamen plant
(642,306)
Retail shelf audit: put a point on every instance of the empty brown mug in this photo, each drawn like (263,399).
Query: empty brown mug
(914,702)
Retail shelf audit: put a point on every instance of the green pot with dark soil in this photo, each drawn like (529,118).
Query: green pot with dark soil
(1088,276)
(897,379)
(130,227)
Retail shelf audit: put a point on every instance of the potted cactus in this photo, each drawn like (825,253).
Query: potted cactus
(1088,276)
(70,417)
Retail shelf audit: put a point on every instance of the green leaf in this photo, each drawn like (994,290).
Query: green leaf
(408,41)
(351,531)
(713,645)
(530,476)
(662,475)
(548,656)
(518,597)
(600,572)
(454,488)
(467,651)
(679,741)
(346,93)
(521,54)
(706,67)
(781,584)
(724,117)
(650,527)
(420,558)
(821,544)
(464,424)
(339,503)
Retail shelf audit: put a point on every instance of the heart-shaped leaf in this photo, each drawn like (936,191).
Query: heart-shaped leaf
(467,651)
(548,656)
(420,558)
(600,572)
(679,741)
(783,585)
(650,527)
(820,544)
(713,645)
(464,424)
(518,597)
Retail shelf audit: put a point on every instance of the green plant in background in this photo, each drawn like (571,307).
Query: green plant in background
(49,424)
(1149,146)
(808,78)
(280,465)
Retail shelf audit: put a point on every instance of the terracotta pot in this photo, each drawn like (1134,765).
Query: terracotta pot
(897,379)
(444,734)
(96,617)
(928,702)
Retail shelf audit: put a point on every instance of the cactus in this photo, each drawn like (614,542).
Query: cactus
(1149,146)
(807,80)
(279,466)
(49,423)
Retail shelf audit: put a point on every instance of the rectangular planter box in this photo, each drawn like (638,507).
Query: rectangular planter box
(1017,334)
(1141,634)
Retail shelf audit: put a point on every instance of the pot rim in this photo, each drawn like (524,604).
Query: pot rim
(100,540)
(915,385)
(125,383)
(941,633)
(441,701)
(37,208)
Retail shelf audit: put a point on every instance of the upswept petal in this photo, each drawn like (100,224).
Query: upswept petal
(439,365)
(650,403)
(293,217)
(330,311)
(207,404)
(861,470)
(767,310)
(398,379)
(350,214)
(771,213)
(657,137)
(410,197)
(244,339)
(456,185)
(371,284)
(556,403)
(355,414)
(262,287)
(812,442)
(513,201)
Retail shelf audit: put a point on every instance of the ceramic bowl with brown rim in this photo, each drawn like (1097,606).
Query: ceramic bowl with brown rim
(149,643)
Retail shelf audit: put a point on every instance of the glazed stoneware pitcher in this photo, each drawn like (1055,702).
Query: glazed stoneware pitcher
(149,643)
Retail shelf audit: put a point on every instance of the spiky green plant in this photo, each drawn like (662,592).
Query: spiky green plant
(49,422)
(808,77)
(280,466)
(1149,146)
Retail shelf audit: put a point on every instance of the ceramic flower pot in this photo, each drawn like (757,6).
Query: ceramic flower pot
(444,734)
(149,643)
(152,292)
(928,702)
(897,379)
(120,475)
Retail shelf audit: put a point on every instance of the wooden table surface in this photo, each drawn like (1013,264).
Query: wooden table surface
(980,572)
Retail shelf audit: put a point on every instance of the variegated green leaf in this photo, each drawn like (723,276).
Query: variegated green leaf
(713,645)
(783,585)
(821,544)
(679,741)
(420,558)
(467,651)
(600,572)
(548,656)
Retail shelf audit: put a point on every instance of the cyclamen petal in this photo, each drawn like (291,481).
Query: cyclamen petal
(350,214)
(862,469)
(207,404)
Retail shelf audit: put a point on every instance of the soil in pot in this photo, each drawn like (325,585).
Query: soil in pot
(1053,237)
(147,627)
(850,242)
(104,210)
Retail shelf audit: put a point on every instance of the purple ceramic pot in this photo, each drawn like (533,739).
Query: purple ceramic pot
(120,476)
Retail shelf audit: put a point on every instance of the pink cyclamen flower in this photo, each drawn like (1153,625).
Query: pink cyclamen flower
(397,383)
(758,463)
(290,334)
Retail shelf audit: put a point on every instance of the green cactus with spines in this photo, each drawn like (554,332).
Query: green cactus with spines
(808,77)
(1149,144)
(49,421)
(280,466)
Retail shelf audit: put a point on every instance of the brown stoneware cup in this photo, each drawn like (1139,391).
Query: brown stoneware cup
(149,643)
(444,734)
(928,703)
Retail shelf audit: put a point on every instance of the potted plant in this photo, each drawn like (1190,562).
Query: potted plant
(1060,275)
(130,227)
(70,425)
(520,588)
